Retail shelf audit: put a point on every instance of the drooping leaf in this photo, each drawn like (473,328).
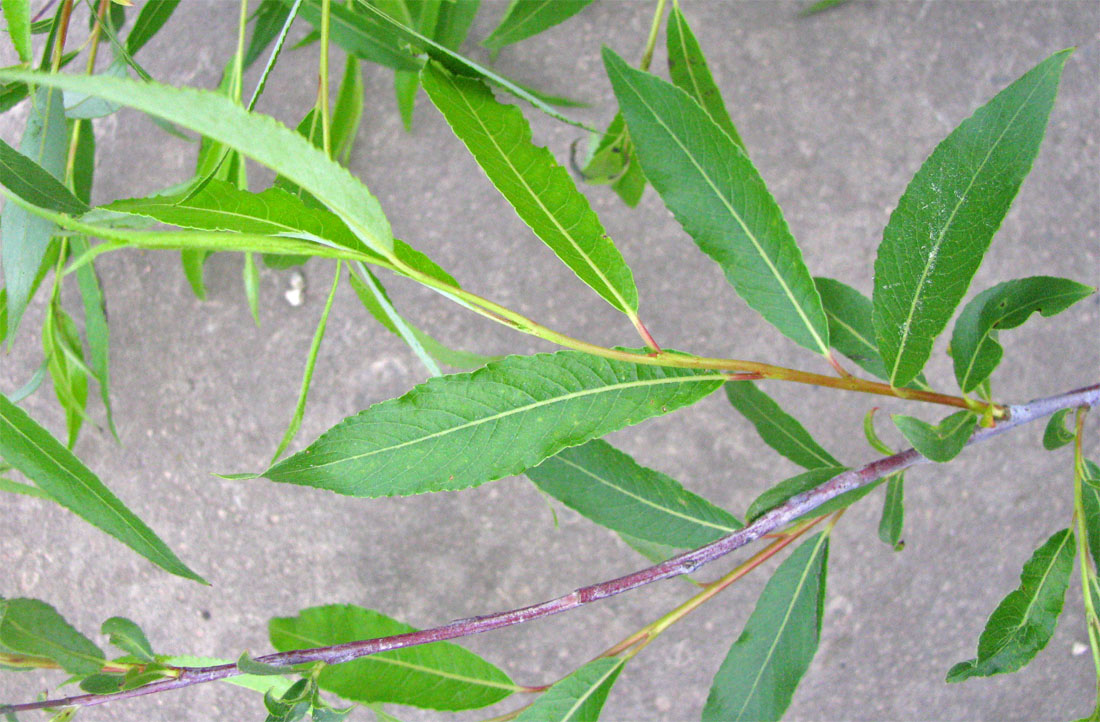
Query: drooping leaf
(776,427)
(17,16)
(610,488)
(608,154)
(15,487)
(815,7)
(257,136)
(1024,621)
(453,24)
(193,261)
(688,69)
(974,347)
(851,328)
(357,33)
(1090,500)
(579,697)
(129,637)
(250,274)
(759,675)
(96,329)
(462,430)
(941,442)
(268,20)
(719,198)
(102,683)
(892,522)
(440,676)
(30,449)
(799,483)
(26,236)
(34,184)
(30,626)
(307,375)
(348,109)
(376,22)
(944,222)
(540,190)
(154,14)
(65,361)
(527,18)
(373,296)
(83,161)
(1056,435)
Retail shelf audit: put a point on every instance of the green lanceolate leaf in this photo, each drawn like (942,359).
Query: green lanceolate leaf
(128,636)
(1090,500)
(95,328)
(943,224)
(974,346)
(26,236)
(851,328)
(540,190)
(221,206)
(720,199)
(435,676)
(942,442)
(34,184)
(30,449)
(1024,621)
(892,522)
(579,697)
(1056,435)
(776,427)
(348,110)
(268,20)
(805,481)
(527,18)
(462,430)
(454,21)
(688,69)
(257,136)
(30,626)
(610,488)
(820,6)
(65,361)
(373,296)
(360,34)
(17,16)
(154,14)
(759,675)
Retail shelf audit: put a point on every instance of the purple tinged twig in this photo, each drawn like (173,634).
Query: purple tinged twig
(793,508)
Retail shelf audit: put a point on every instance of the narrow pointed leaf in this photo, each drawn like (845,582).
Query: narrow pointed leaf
(974,347)
(579,697)
(440,676)
(26,236)
(30,449)
(257,136)
(30,626)
(540,190)
(759,675)
(420,342)
(851,328)
(95,328)
(251,277)
(608,154)
(719,198)
(688,69)
(65,361)
(610,488)
(348,109)
(527,18)
(892,522)
(1056,435)
(154,14)
(357,33)
(820,6)
(379,23)
(776,427)
(1090,500)
(25,489)
(17,16)
(941,442)
(268,20)
(83,161)
(462,430)
(944,222)
(453,24)
(129,637)
(34,184)
(1024,621)
(797,484)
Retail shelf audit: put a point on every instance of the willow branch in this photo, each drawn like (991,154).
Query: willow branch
(793,508)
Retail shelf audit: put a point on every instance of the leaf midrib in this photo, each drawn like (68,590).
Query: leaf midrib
(934,252)
(781,429)
(379,657)
(824,348)
(647,502)
(581,699)
(521,409)
(622,303)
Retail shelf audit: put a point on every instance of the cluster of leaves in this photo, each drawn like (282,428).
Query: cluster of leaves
(543,415)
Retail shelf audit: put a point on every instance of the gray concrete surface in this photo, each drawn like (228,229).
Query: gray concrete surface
(837,111)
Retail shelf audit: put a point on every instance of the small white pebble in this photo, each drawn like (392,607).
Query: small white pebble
(297,291)
(1078,649)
